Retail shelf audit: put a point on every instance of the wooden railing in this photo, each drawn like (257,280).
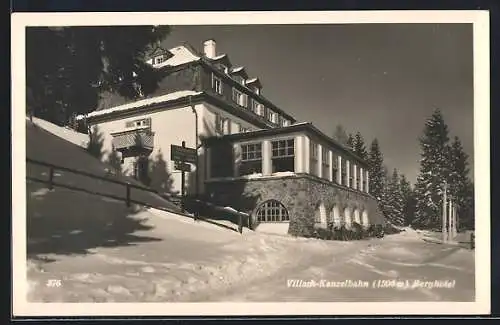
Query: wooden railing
(128,186)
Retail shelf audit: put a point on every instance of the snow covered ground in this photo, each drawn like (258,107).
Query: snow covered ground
(196,261)
(80,139)
(187,261)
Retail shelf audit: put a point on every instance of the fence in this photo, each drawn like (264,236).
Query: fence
(127,191)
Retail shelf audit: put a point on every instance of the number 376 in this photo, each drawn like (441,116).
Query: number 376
(53,283)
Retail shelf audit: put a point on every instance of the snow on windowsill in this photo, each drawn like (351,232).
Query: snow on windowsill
(141,103)
(254,176)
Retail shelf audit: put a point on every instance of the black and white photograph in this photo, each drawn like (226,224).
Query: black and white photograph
(267,158)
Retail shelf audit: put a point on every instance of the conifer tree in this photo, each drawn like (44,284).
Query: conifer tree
(395,201)
(466,213)
(67,68)
(340,135)
(160,179)
(350,142)
(408,200)
(459,175)
(376,171)
(384,201)
(114,161)
(95,144)
(359,146)
(434,172)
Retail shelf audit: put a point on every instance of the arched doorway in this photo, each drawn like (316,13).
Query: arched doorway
(320,219)
(272,216)
(335,216)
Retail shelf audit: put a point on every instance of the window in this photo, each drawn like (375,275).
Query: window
(335,168)
(272,211)
(138,123)
(251,159)
(216,84)
(243,129)
(358,176)
(239,79)
(239,98)
(351,175)
(313,166)
(272,116)
(220,124)
(283,155)
(159,59)
(325,162)
(344,173)
(365,173)
(257,108)
(284,122)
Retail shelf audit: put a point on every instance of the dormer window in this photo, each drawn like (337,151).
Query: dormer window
(159,59)
(285,122)
(254,84)
(239,79)
(272,116)
(239,98)
(257,108)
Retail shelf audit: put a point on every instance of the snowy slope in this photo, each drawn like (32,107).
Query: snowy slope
(80,139)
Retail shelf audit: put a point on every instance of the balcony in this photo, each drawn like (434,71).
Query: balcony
(134,143)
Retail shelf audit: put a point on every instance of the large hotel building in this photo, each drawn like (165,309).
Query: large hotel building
(253,156)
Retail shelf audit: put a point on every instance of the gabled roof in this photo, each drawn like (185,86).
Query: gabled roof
(181,55)
(239,71)
(253,82)
(158,50)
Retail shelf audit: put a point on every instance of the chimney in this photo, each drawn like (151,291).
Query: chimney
(209,49)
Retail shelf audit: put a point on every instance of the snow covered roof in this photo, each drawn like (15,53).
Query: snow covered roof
(255,81)
(238,69)
(181,55)
(141,103)
(218,57)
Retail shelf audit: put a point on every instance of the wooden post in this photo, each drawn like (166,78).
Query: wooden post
(51,178)
(450,219)
(128,195)
(445,237)
(183,175)
(240,223)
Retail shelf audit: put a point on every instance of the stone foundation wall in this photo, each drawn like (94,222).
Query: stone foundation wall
(300,194)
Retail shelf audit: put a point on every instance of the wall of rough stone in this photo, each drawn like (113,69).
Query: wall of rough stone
(300,194)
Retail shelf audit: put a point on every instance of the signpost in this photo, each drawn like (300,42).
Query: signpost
(182,158)
(183,154)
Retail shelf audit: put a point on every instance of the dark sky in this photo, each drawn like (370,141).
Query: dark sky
(383,80)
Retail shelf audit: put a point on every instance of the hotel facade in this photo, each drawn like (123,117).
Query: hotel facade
(252,156)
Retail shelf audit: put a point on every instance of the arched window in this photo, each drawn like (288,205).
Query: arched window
(357,217)
(320,214)
(347,217)
(272,211)
(364,218)
(335,216)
